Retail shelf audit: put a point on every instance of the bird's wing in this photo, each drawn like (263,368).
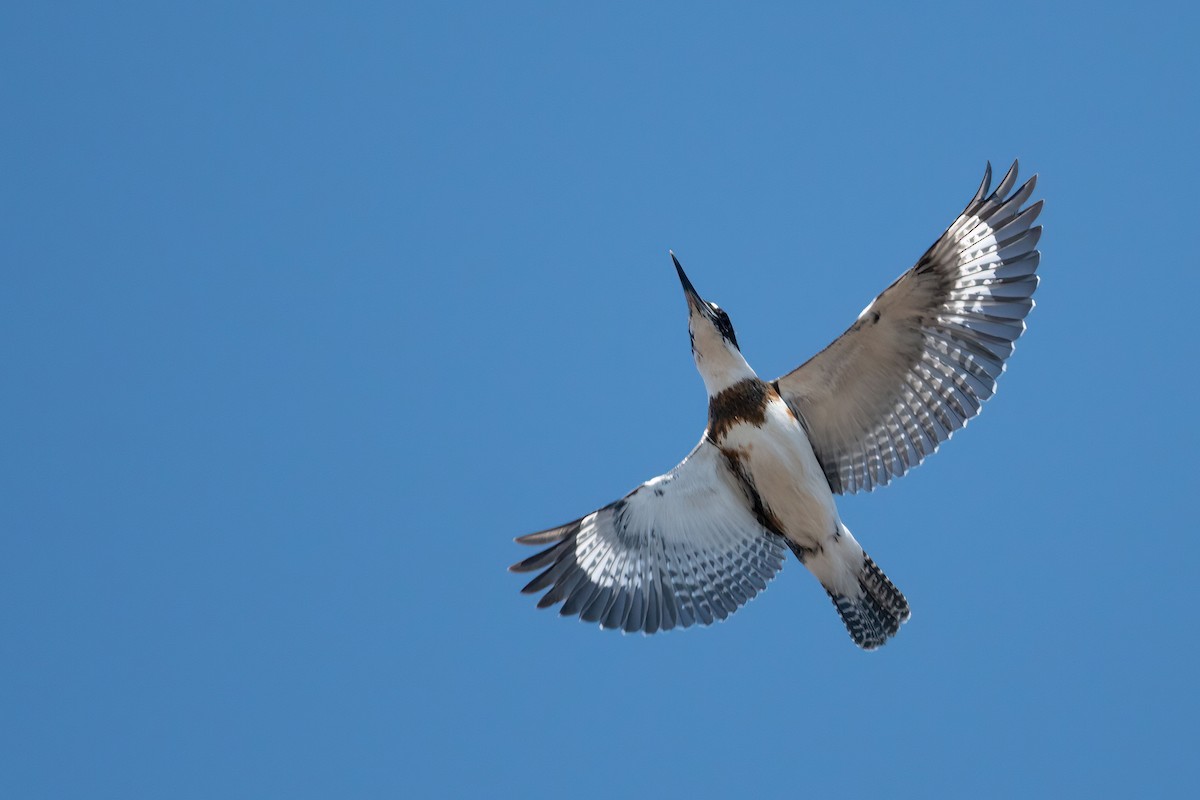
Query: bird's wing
(925,354)
(681,549)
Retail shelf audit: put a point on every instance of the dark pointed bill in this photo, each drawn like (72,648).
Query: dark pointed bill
(693,297)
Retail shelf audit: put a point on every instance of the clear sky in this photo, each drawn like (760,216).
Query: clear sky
(308,310)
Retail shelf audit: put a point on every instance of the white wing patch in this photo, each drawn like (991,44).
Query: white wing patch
(681,549)
(925,354)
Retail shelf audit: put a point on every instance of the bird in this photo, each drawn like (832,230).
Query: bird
(693,545)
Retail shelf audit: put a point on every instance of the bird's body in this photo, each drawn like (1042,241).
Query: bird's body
(767,448)
(770,453)
(696,543)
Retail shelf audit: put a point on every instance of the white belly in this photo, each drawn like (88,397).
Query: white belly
(779,460)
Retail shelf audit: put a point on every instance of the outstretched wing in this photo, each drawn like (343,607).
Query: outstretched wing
(925,354)
(681,549)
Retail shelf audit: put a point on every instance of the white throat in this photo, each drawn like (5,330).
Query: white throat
(720,364)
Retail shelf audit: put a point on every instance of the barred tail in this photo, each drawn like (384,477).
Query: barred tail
(877,612)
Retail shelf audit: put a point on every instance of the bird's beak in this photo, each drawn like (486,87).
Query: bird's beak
(689,291)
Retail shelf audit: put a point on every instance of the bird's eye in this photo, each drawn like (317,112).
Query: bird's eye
(723,324)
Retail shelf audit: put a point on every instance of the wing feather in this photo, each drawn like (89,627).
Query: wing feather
(681,549)
(924,356)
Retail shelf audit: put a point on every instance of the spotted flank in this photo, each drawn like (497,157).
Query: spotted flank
(926,352)
(680,550)
(693,545)
(875,615)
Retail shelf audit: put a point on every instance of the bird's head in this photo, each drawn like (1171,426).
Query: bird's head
(714,345)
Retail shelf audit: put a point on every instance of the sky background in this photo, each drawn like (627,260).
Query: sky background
(307,310)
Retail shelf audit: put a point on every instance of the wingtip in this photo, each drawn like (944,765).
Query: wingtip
(548,536)
(1007,182)
(984,185)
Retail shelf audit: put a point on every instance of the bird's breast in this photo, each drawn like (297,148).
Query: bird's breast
(773,455)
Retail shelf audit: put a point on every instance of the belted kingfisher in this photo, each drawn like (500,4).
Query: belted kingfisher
(693,545)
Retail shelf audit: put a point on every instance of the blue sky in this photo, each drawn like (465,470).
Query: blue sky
(308,310)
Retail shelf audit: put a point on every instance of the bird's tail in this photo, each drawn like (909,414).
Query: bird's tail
(875,614)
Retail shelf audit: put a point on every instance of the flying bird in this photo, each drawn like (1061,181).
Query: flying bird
(693,545)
